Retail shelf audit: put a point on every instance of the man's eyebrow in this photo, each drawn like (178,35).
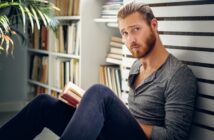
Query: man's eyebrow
(131,26)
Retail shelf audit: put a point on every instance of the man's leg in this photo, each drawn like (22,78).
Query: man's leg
(101,115)
(43,111)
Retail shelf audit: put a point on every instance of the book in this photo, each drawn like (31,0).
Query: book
(115,56)
(110,76)
(116,44)
(114,61)
(114,50)
(72,94)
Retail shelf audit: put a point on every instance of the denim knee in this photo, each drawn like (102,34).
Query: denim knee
(42,99)
(100,91)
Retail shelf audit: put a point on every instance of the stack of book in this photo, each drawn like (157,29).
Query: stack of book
(65,70)
(67,39)
(110,8)
(40,38)
(55,93)
(67,7)
(35,90)
(39,68)
(111,77)
(115,53)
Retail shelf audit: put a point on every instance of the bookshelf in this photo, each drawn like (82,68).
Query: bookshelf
(94,47)
(55,58)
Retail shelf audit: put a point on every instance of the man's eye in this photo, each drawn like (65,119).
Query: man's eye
(124,33)
(136,29)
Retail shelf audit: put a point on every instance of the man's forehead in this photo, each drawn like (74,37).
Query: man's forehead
(131,21)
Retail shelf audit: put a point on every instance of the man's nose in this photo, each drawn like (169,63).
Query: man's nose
(131,39)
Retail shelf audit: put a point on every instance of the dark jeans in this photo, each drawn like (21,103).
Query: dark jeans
(100,115)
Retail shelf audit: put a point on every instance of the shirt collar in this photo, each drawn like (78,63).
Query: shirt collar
(136,69)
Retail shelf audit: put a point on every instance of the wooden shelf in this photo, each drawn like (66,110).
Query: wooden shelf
(65,55)
(109,22)
(68,18)
(38,51)
(105,20)
(38,83)
(56,89)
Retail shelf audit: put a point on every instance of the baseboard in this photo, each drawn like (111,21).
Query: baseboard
(12,106)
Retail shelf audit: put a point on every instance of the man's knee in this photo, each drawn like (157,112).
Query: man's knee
(43,96)
(100,91)
(42,99)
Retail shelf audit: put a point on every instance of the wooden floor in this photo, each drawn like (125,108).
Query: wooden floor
(45,135)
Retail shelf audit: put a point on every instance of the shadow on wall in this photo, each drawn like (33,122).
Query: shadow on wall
(13,74)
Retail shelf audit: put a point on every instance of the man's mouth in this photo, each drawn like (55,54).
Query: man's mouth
(134,47)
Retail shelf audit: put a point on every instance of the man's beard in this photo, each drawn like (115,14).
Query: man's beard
(150,43)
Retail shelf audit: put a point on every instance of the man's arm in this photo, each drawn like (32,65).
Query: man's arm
(179,107)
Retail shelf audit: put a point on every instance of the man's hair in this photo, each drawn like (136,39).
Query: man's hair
(133,7)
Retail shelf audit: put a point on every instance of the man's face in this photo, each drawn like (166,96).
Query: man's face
(137,35)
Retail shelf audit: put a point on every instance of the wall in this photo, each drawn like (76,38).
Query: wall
(13,78)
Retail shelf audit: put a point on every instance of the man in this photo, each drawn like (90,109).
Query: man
(161,98)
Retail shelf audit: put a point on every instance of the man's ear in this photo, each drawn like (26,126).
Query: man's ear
(154,23)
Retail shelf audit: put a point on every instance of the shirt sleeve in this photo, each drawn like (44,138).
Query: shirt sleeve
(179,107)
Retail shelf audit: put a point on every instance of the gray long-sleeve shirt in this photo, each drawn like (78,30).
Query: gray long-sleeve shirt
(165,99)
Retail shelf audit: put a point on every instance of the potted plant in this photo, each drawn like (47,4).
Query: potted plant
(27,13)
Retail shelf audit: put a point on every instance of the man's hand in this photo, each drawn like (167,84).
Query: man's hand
(147,130)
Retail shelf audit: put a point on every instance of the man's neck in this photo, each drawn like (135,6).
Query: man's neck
(155,58)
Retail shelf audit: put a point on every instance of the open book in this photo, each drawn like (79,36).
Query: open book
(72,94)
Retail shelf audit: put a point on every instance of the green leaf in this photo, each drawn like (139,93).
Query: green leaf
(36,11)
(23,16)
(7,45)
(42,16)
(2,39)
(4,23)
(1,48)
(30,17)
(35,17)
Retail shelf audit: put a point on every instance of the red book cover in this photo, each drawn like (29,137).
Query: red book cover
(72,94)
